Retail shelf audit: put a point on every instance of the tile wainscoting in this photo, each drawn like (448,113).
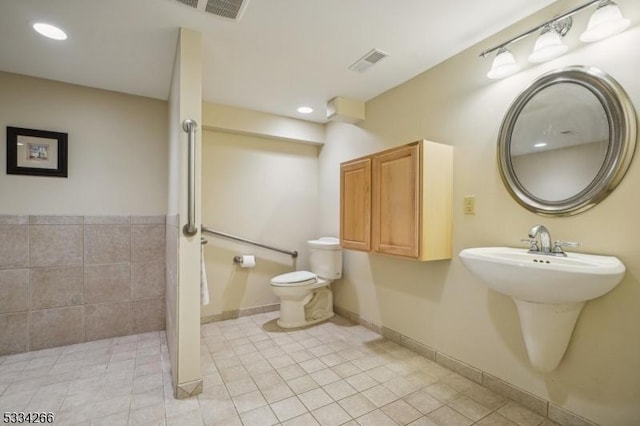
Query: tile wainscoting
(72,279)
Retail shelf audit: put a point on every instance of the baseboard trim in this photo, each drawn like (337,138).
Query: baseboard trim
(532,402)
(237,313)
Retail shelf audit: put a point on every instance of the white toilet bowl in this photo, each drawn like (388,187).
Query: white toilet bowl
(306,297)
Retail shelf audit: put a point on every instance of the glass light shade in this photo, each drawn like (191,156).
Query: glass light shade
(503,65)
(549,45)
(49,31)
(606,21)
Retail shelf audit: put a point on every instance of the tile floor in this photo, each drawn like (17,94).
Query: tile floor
(254,374)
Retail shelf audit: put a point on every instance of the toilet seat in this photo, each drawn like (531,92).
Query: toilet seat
(295,279)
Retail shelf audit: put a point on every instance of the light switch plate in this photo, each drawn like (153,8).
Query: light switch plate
(470,204)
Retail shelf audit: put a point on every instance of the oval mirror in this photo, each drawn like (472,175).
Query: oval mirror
(566,141)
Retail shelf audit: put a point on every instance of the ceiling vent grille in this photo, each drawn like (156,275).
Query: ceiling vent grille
(192,3)
(367,61)
(230,9)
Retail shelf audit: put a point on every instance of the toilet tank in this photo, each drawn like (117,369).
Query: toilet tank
(326,257)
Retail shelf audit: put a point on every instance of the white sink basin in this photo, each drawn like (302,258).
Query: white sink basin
(544,279)
(549,292)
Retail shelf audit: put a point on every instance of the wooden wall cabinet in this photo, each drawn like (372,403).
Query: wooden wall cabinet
(398,202)
(355,204)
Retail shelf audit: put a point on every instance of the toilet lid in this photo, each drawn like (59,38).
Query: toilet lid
(297,277)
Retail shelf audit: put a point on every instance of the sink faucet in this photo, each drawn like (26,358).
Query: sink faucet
(545,242)
(545,237)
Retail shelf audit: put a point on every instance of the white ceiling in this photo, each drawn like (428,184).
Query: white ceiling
(280,55)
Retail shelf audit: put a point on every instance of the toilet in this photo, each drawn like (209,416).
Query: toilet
(305,297)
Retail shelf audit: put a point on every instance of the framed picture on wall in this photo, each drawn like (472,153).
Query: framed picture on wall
(36,152)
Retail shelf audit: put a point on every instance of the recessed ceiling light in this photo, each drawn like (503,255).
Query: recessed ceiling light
(50,31)
(540,145)
(305,110)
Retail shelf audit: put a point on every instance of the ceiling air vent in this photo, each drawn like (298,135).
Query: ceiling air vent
(230,9)
(367,61)
(192,3)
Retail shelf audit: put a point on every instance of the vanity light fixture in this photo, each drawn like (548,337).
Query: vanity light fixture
(504,65)
(49,31)
(607,20)
(305,110)
(549,44)
(540,145)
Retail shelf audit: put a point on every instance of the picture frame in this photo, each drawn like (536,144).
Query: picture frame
(36,152)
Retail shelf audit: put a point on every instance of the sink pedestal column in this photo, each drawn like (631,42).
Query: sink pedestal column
(547,329)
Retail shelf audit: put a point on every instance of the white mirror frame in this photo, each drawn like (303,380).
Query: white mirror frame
(622,120)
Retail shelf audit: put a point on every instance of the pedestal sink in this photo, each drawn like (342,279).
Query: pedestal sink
(549,292)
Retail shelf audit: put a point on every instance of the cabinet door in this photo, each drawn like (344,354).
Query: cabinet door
(355,205)
(395,200)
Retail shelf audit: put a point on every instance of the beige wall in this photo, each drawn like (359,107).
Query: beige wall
(117,149)
(440,303)
(183,252)
(264,190)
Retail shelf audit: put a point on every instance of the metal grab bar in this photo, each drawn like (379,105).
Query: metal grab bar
(293,254)
(190,228)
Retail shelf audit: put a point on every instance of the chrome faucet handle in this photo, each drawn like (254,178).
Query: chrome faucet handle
(533,244)
(557,245)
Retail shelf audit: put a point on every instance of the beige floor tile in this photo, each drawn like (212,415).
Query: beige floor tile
(277,393)
(288,408)
(382,374)
(280,361)
(469,408)
(457,382)
(312,365)
(424,421)
(267,379)
(291,372)
(116,419)
(216,410)
(361,381)
(247,364)
(375,418)
(304,420)
(442,392)
(339,390)
(301,355)
(449,417)
(423,401)
(240,387)
(401,412)
(495,419)
(249,401)
(356,405)
(262,416)
(486,397)
(520,415)
(324,377)
(332,359)
(315,398)
(379,395)
(191,418)
(146,415)
(346,369)
(302,384)
(331,415)
(401,386)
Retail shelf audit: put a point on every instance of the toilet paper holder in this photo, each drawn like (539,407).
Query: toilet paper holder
(246,261)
